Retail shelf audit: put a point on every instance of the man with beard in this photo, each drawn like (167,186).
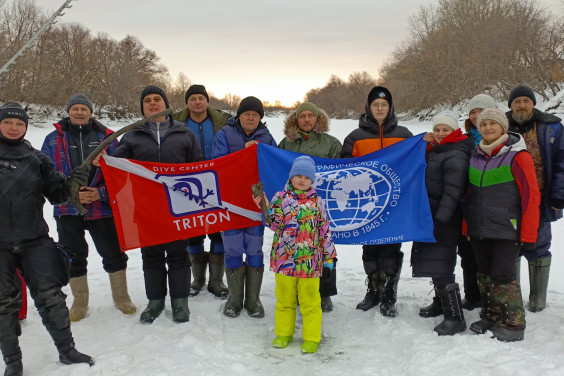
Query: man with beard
(544,137)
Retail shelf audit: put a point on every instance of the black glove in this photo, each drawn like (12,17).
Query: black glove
(80,176)
(529,246)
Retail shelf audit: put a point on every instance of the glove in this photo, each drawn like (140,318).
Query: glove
(80,176)
(328,264)
(529,246)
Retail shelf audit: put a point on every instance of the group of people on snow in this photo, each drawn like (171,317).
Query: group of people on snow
(493,193)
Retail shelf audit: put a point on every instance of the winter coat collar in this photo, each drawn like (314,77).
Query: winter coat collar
(515,142)
(292,131)
(63,125)
(538,117)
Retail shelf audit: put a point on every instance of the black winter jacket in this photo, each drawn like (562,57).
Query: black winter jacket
(446,179)
(26,177)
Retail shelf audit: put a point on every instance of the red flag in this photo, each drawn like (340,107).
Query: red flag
(155,203)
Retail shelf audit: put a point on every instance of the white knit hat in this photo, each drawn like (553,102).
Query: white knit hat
(482,101)
(447,118)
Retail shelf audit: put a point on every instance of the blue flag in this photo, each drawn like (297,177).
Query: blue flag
(379,198)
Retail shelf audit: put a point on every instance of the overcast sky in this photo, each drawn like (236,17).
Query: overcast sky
(274,50)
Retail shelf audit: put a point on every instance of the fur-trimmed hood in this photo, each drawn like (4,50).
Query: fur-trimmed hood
(291,125)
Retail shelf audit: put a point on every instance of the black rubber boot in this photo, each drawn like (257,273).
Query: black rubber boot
(434,309)
(199,265)
(539,271)
(391,267)
(452,307)
(180,311)
(372,297)
(253,284)
(14,368)
(74,357)
(154,309)
(217,269)
(326,304)
(236,285)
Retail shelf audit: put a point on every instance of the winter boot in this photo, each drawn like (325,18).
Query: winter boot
(217,268)
(180,311)
(469,270)
(14,365)
(512,325)
(14,368)
(74,357)
(79,289)
(392,269)
(281,342)
(309,347)
(326,304)
(236,285)
(434,309)
(199,264)
(122,301)
(372,297)
(452,307)
(253,283)
(538,278)
(153,310)
(490,313)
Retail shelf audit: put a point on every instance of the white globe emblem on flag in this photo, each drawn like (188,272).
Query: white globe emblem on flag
(191,193)
(353,196)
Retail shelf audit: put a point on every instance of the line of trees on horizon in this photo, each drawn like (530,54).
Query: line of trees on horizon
(455,50)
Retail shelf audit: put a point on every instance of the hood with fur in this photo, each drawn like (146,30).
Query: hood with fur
(291,125)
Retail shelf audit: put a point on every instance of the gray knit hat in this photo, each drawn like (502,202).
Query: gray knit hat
(496,115)
(447,118)
(79,99)
(482,101)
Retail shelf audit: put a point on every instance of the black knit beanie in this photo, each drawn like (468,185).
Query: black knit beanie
(152,89)
(196,89)
(379,92)
(13,110)
(251,104)
(521,91)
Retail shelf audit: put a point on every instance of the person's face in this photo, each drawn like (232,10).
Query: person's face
(522,108)
(490,130)
(249,121)
(153,104)
(301,182)
(307,121)
(440,132)
(197,103)
(79,114)
(12,128)
(380,109)
(474,115)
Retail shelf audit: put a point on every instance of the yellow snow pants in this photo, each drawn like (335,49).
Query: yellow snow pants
(307,292)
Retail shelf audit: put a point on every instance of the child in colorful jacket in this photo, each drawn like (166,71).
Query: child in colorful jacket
(301,247)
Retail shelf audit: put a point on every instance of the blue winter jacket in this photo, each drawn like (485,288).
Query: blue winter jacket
(550,134)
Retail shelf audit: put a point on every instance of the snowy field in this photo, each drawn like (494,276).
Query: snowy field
(353,343)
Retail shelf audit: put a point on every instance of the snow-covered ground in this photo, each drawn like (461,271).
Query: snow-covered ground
(353,343)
